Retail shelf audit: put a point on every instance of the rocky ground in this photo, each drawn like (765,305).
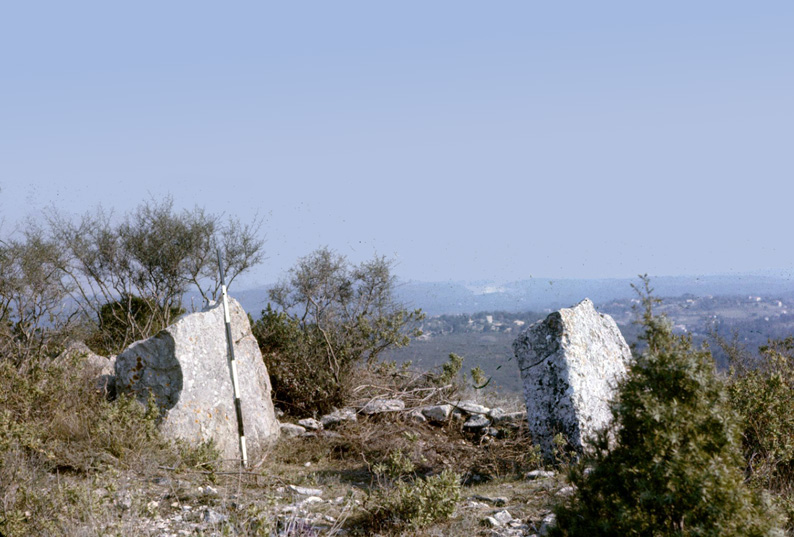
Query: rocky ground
(321,478)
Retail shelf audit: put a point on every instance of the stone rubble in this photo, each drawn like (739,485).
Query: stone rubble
(546,524)
(380,406)
(470,407)
(499,501)
(437,413)
(539,474)
(474,417)
(310,424)
(476,422)
(304,491)
(333,419)
(502,524)
(290,429)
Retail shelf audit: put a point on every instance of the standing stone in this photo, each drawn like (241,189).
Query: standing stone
(186,368)
(570,365)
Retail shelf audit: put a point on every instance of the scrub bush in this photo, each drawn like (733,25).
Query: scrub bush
(329,318)
(675,466)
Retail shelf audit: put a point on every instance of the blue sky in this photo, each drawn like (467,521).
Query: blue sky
(466,140)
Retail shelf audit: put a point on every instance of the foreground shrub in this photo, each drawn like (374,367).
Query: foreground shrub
(126,320)
(57,412)
(675,468)
(328,318)
(295,356)
(54,421)
(415,503)
(764,397)
(762,392)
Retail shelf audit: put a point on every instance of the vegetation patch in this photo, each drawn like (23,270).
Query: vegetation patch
(671,463)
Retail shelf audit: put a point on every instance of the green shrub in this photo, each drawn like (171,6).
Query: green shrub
(762,392)
(53,420)
(126,320)
(297,362)
(332,317)
(203,456)
(396,466)
(675,467)
(764,397)
(416,503)
(450,370)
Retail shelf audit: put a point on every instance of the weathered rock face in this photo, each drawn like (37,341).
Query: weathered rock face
(186,367)
(570,365)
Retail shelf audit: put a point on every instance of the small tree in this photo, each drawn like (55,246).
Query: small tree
(127,319)
(154,254)
(33,313)
(675,468)
(329,316)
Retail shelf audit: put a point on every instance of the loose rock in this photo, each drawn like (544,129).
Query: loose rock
(310,424)
(546,524)
(380,406)
(476,422)
(290,429)
(305,491)
(339,416)
(470,407)
(214,517)
(539,474)
(503,517)
(509,417)
(437,413)
(417,416)
(498,501)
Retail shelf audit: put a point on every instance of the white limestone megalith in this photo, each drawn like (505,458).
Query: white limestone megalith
(186,368)
(570,363)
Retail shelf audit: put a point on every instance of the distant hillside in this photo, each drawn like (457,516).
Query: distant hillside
(539,294)
(485,339)
(479,320)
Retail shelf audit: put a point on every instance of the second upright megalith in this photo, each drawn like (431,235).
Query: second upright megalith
(570,365)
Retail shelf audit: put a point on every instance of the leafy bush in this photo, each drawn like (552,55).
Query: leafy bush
(675,468)
(33,320)
(126,320)
(762,393)
(58,414)
(414,503)
(295,356)
(129,277)
(396,466)
(53,419)
(329,318)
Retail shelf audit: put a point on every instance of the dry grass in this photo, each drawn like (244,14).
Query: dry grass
(73,463)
